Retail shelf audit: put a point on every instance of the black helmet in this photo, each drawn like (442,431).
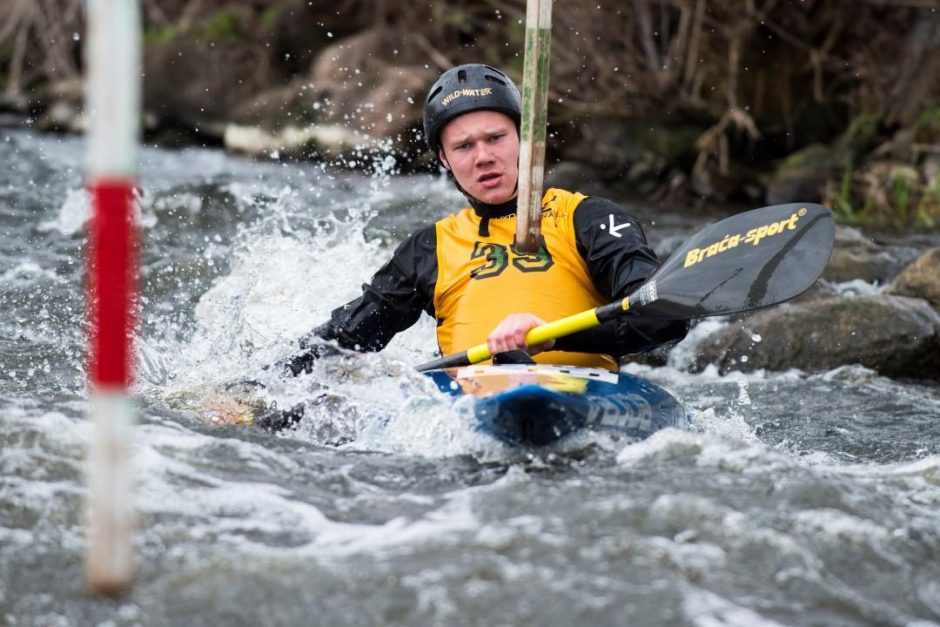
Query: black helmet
(466,88)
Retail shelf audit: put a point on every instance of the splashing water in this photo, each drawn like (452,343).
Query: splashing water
(794,499)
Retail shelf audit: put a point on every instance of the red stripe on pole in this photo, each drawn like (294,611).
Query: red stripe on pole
(112,283)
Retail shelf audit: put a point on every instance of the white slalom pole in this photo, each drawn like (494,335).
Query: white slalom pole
(532,129)
(113,110)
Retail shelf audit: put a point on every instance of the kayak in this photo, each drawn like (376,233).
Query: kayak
(536,405)
(522,404)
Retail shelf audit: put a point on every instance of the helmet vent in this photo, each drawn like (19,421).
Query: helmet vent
(494,79)
(461,76)
(434,93)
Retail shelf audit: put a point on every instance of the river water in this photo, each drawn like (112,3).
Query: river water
(794,499)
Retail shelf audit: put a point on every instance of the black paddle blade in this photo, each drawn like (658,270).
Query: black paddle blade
(746,261)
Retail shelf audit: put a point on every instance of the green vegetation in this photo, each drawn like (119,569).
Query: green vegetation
(894,185)
(272,14)
(887,195)
(860,136)
(160,35)
(842,206)
(929,118)
(224,26)
(928,210)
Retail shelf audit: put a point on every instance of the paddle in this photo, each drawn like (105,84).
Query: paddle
(747,261)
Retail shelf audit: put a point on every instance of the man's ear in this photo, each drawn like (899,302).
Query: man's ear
(440,155)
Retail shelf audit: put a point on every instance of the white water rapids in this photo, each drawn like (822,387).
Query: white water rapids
(795,499)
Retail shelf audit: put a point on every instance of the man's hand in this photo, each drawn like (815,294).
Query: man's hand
(510,335)
(303,361)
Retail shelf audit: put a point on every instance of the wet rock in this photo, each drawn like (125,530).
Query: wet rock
(604,145)
(893,335)
(802,176)
(362,90)
(13,103)
(921,279)
(576,176)
(269,109)
(63,116)
(62,106)
(635,154)
(856,256)
(712,181)
(12,120)
(820,290)
(191,79)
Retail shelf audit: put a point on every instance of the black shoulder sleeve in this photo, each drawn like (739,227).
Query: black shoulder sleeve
(613,245)
(392,301)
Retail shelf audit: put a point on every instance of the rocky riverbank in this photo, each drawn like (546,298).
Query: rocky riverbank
(876,305)
(689,101)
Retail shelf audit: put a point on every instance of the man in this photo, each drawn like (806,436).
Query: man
(464,270)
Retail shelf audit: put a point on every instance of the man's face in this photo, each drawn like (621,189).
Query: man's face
(481,148)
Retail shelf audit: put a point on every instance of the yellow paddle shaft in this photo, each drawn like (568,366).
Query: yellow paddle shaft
(557,328)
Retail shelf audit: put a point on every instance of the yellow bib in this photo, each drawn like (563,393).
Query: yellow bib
(481,280)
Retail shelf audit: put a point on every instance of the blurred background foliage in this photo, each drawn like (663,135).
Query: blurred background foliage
(734,100)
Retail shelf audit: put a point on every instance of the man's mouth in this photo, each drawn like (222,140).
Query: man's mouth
(491,179)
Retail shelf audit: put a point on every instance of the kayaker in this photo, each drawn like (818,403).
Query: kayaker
(464,271)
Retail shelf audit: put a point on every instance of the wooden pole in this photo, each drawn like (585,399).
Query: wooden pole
(538,41)
(113,108)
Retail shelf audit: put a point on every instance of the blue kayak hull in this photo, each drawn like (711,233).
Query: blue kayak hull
(535,405)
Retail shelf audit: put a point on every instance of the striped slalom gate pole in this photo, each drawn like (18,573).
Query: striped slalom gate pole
(113,109)
(532,129)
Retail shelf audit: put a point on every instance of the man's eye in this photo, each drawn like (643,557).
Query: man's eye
(496,138)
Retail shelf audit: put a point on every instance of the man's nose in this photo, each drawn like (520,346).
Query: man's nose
(484,153)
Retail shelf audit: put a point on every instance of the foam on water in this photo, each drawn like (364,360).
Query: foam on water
(858,287)
(794,498)
(75,211)
(28,274)
(174,490)
(287,271)
(374,403)
(252,516)
(704,449)
(285,274)
(707,609)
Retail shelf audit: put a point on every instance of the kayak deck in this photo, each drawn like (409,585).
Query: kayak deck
(535,405)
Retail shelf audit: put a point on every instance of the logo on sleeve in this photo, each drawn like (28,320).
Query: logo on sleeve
(614,228)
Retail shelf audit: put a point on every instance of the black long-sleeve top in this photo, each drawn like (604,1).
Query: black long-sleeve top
(404,287)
